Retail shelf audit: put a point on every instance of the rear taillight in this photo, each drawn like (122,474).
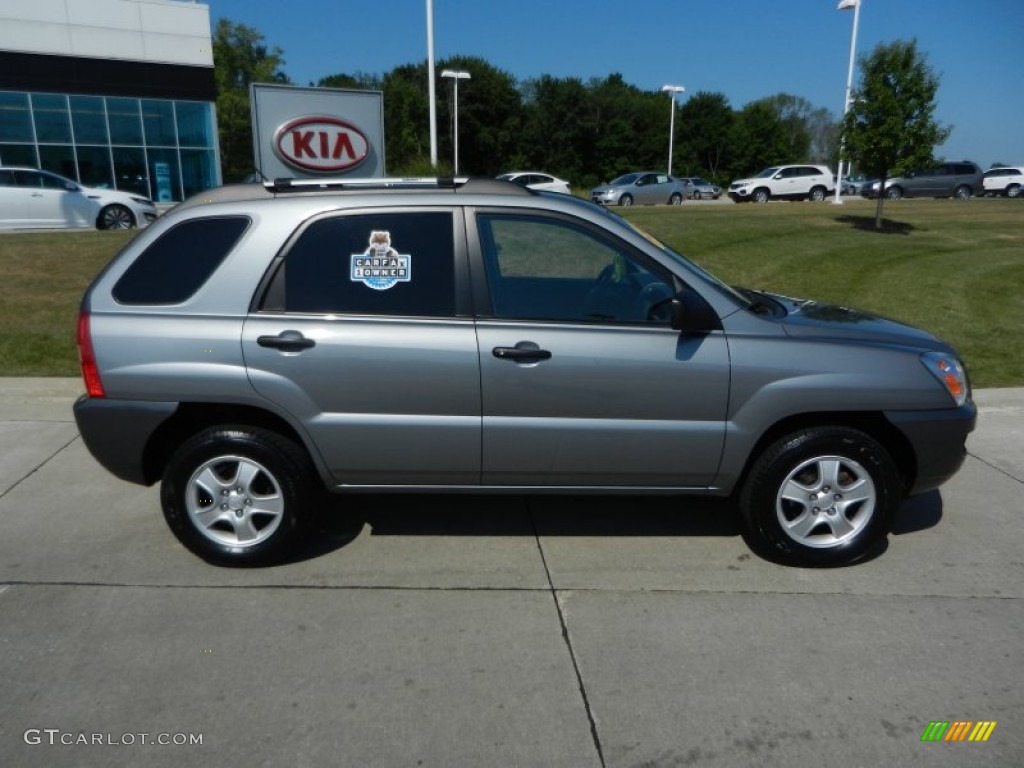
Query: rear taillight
(87,358)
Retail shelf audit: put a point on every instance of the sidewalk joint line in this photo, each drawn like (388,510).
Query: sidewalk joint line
(568,642)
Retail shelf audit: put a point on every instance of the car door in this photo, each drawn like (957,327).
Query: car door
(359,336)
(13,201)
(648,190)
(584,383)
(52,202)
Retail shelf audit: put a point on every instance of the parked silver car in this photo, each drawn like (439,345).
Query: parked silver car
(958,179)
(31,198)
(262,344)
(643,188)
(700,189)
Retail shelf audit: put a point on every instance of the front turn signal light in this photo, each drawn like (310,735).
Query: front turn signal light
(950,373)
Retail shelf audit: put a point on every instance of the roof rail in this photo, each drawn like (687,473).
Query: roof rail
(305,185)
(474,185)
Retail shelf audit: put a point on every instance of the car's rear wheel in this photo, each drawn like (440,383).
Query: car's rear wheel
(894,193)
(817,194)
(760,195)
(233,495)
(963,192)
(675,199)
(1013,190)
(697,194)
(822,496)
(116,216)
(626,200)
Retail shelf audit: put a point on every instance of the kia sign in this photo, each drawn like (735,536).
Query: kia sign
(315,132)
(320,144)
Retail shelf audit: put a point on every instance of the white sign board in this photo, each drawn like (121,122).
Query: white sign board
(313,132)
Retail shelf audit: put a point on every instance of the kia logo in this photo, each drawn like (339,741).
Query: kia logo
(321,144)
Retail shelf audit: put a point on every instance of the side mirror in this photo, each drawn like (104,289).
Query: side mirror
(691,314)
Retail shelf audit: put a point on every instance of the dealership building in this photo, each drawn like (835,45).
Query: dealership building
(111,93)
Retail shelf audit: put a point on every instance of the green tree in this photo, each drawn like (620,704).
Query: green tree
(240,57)
(759,138)
(890,127)
(360,81)
(548,140)
(703,125)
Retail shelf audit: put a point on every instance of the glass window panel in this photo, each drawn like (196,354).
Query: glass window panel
(130,170)
(198,170)
(59,158)
(89,120)
(53,123)
(125,121)
(15,121)
(195,124)
(18,154)
(94,167)
(158,118)
(164,176)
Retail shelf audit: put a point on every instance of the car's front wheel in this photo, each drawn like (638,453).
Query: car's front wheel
(626,200)
(894,193)
(116,217)
(822,496)
(760,195)
(963,192)
(234,495)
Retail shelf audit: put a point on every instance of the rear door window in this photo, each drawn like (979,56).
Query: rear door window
(180,261)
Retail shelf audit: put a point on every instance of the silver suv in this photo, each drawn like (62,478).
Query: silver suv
(259,345)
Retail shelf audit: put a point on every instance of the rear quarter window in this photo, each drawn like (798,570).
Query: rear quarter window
(177,264)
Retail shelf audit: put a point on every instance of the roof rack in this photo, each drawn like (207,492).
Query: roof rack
(482,185)
(305,185)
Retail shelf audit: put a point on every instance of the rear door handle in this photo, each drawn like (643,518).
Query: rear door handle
(524,351)
(286,341)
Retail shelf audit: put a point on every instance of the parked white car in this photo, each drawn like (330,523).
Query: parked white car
(538,180)
(34,199)
(1007,181)
(790,182)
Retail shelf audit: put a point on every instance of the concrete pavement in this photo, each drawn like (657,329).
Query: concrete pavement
(502,631)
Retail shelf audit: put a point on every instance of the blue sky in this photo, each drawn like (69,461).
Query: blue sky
(745,49)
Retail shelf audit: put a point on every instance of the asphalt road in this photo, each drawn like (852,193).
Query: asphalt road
(502,631)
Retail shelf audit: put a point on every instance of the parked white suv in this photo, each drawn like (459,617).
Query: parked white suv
(792,182)
(1006,181)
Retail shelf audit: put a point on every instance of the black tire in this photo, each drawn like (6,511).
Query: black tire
(963,192)
(1013,190)
(116,217)
(626,200)
(675,199)
(760,195)
(234,495)
(696,194)
(823,496)
(894,193)
(817,194)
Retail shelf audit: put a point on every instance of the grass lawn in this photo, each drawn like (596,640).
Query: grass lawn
(953,268)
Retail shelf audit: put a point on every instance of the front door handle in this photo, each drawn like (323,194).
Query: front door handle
(523,352)
(286,341)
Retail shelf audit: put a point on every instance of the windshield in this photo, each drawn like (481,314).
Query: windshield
(629,178)
(767,172)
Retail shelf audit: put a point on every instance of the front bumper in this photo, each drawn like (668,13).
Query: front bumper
(939,442)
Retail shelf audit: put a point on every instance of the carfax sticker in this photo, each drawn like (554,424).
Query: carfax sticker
(380,266)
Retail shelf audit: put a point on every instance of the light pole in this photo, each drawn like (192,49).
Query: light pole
(431,95)
(671,90)
(845,5)
(455,76)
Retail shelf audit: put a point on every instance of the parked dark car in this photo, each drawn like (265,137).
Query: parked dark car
(960,180)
